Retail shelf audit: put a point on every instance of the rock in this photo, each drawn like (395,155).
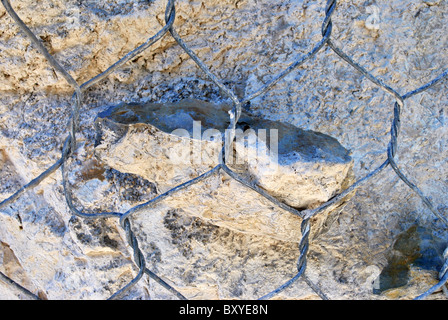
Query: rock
(137,139)
(412,263)
(169,144)
(245,45)
(301,168)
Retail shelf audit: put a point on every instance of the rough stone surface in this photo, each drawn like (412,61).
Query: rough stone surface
(142,139)
(57,256)
(158,142)
(301,168)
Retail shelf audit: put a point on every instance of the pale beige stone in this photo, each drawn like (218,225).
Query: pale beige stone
(300,168)
(245,45)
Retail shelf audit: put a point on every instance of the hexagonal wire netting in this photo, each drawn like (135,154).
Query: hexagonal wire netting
(70,146)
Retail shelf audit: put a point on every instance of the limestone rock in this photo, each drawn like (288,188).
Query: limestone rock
(300,168)
(43,248)
(138,139)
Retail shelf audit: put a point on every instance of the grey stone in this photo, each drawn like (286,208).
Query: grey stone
(403,43)
(300,168)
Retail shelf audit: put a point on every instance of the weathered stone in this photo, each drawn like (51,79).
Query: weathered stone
(137,139)
(303,169)
(300,168)
(402,43)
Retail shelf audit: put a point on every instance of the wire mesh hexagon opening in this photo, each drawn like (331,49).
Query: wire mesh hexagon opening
(236,114)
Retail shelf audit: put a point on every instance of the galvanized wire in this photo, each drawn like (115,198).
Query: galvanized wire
(69,148)
(443,276)
(17,286)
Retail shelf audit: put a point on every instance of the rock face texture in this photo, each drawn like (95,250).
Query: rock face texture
(361,255)
(158,142)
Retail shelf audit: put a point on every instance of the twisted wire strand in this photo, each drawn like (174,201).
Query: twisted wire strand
(396,122)
(14,284)
(139,260)
(305,226)
(70,143)
(170,12)
(443,276)
(392,147)
(301,263)
(444,271)
(395,128)
(327,24)
(326,33)
(170,15)
(235,113)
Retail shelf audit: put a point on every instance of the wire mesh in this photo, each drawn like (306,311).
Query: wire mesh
(70,146)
